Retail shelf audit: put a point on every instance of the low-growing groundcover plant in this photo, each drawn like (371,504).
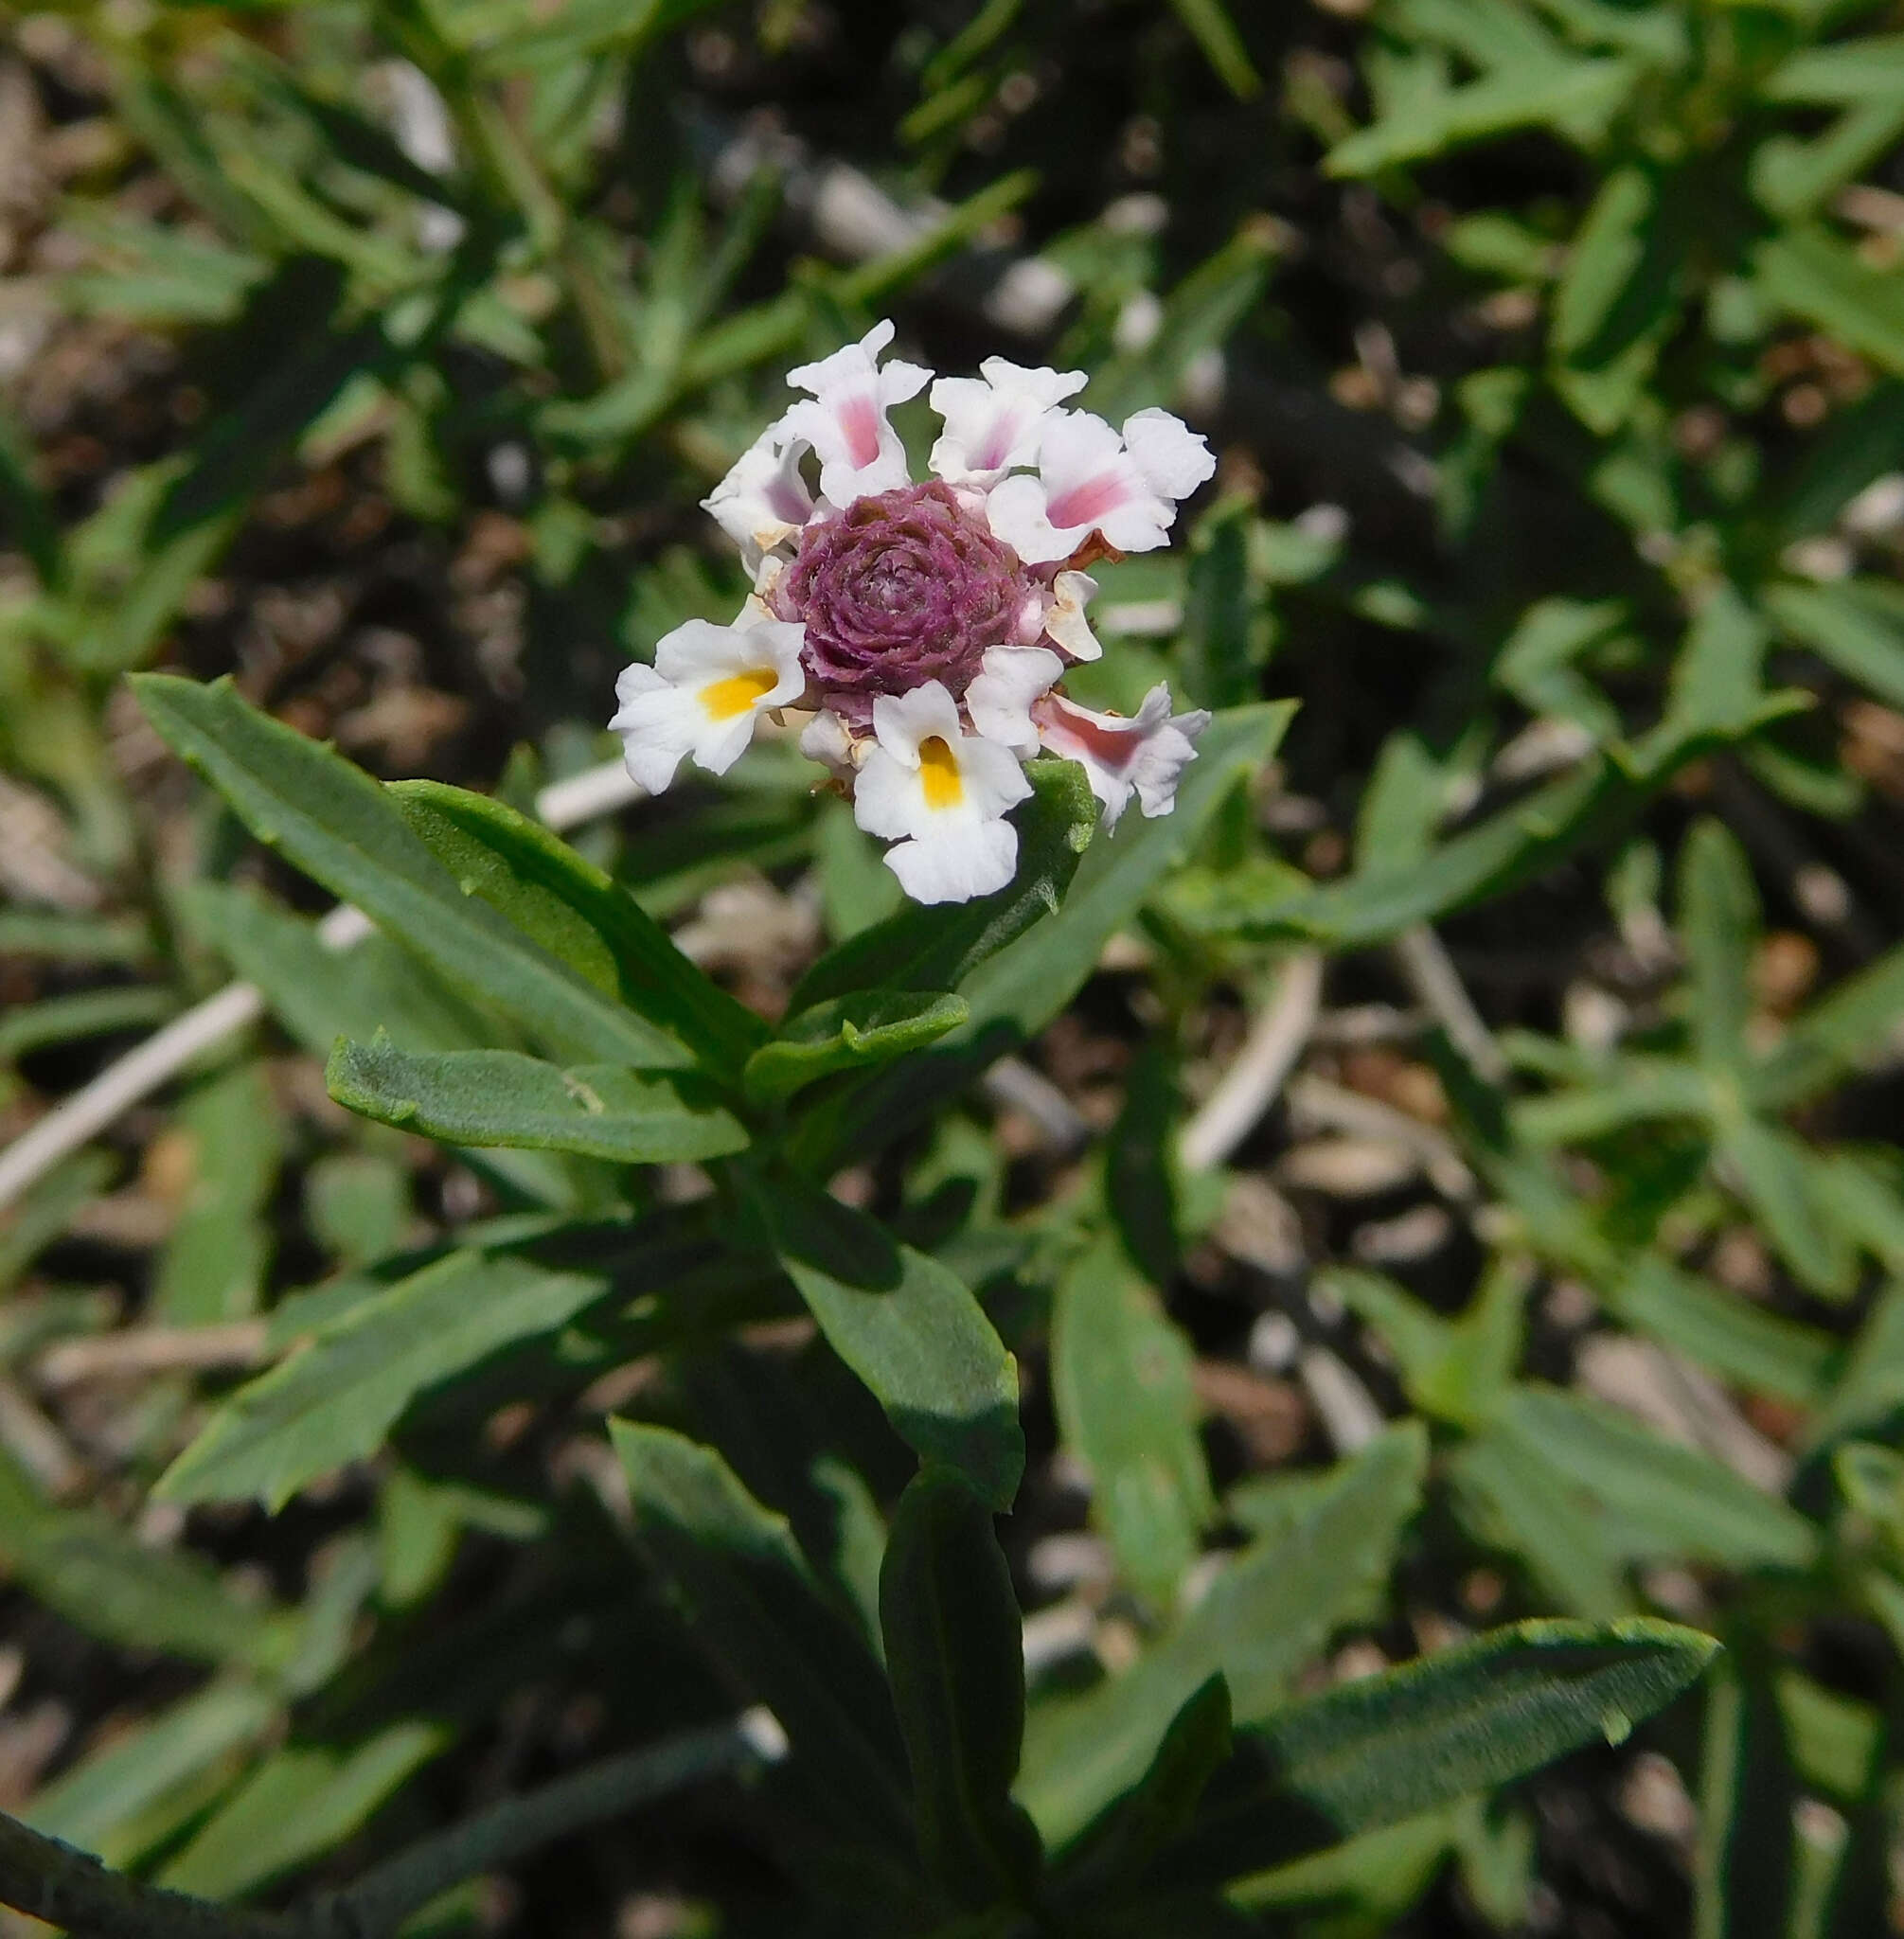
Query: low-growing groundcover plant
(1207,1341)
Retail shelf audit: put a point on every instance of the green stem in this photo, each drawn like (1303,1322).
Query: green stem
(379,1901)
(66,1888)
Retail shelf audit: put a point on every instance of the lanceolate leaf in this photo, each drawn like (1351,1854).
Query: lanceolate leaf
(578,915)
(955,1655)
(737,1569)
(104,1582)
(1275,1605)
(911,1330)
(1387,1748)
(502,1097)
(341,827)
(1121,1377)
(848,1033)
(335,1400)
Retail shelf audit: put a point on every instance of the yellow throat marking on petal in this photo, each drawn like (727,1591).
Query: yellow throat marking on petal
(939,773)
(736,694)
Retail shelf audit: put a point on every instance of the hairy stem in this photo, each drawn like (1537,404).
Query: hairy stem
(379,1901)
(71,1889)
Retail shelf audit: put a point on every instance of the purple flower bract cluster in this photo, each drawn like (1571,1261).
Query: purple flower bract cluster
(899,588)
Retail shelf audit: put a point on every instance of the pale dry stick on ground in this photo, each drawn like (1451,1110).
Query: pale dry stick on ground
(90,1109)
(1270,1051)
(1423,959)
(143,1350)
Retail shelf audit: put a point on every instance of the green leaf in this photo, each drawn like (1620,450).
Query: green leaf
(1532,1510)
(298,360)
(1857,625)
(320,994)
(1773,1172)
(92,1571)
(1141,1186)
(1223,46)
(737,1570)
(578,915)
(955,1655)
(296,1807)
(1628,1091)
(848,1033)
(1388,1748)
(1120,1374)
(337,1399)
(1453,1370)
(909,1328)
(1275,1605)
(501,1097)
(1719,923)
(1806,271)
(108,1801)
(1618,296)
(1029,984)
(1656,1499)
(1847,1030)
(1226,641)
(341,827)
(1743,1868)
(214,1264)
(1578,95)
(1121,1842)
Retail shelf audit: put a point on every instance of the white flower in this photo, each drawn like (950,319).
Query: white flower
(828,739)
(763,499)
(994,423)
(846,418)
(999,700)
(946,791)
(1066,622)
(1092,480)
(1121,756)
(708,687)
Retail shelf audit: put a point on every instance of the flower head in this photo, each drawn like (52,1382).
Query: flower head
(902,587)
(928,627)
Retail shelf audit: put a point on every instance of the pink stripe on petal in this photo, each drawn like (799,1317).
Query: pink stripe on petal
(1086,504)
(859,417)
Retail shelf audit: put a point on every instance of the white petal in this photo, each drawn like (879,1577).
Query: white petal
(903,721)
(685,703)
(1161,764)
(764,499)
(844,364)
(1066,622)
(1016,512)
(993,779)
(900,382)
(994,423)
(887,795)
(958,864)
(826,739)
(1174,461)
(999,701)
(1091,484)
(846,418)
(1142,754)
(657,724)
